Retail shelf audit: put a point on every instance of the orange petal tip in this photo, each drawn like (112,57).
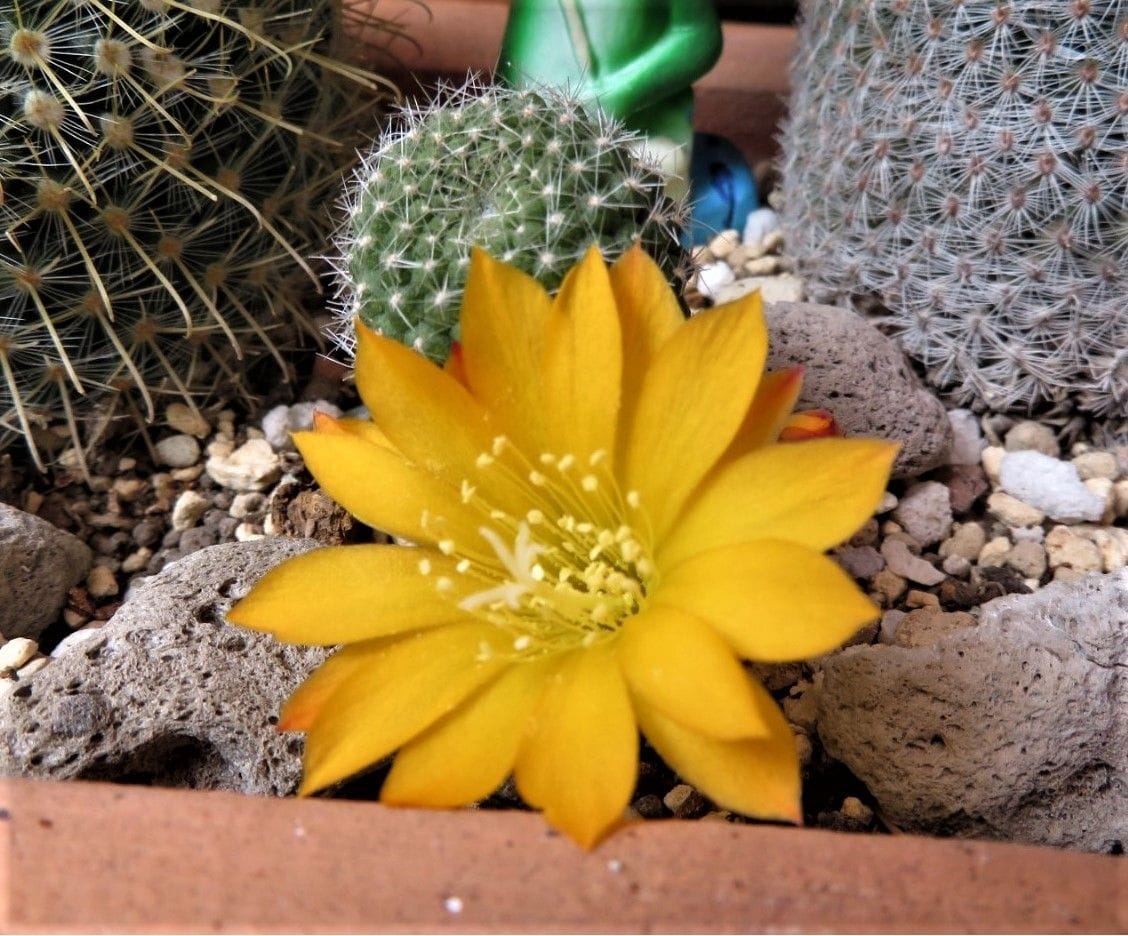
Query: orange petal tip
(809,424)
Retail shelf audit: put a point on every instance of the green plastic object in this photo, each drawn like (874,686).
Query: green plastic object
(637,58)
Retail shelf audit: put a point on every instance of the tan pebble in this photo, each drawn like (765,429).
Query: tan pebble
(994,552)
(1064,547)
(71,459)
(1103,488)
(891,528)
(1029,435)
(1112,542)
(867,535)
(762,266)
(253,433)
(888,502)
(16,652)
(755,250)
(100,484)
(244,504)
(801,711)
(915,598)
(247,532)
(1096,465)
(190,506)
(181,417)
(738,257)
(251,467)
(136,561)
(162,483)
(220,448)
(33,500)
(900,560)
(1066,574)
(186,475)
(991,458)
(73,619)
(1027,559)
(1013,512)
(724,244)
(702,255)
(126,464)
(101,582)
(1032,583)
(958,566)
(33,666)
(1120,498)
(854,809)
(129,489)
(773,240)
(269,527)
(966,540)
(889,585)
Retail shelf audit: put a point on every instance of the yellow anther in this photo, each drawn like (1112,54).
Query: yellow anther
(535,517)
(623,534)
(606,539)
(547,458)
(537,479)
(446,547)
(485,652)
(567,523)
(444,584)
(566,462)
(523,642)
(537,572)
(462,566)
(600,614)
(425,566)
(584,528)
(590,638)
(631,550)
(645,567)
(596,457)
(499,444)
(484,460)
(633,499)
(498,515)
(589,483)
(467,492)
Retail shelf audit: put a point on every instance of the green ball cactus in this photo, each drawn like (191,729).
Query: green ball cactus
(967,164)
(529,175)
(161,168)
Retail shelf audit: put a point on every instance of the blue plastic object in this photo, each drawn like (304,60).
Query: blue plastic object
(722,187)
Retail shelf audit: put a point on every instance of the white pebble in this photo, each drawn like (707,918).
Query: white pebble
(189,507)
(1050,485)
(246,533)
(967,438)
(759,224)
(282,420)
(178,451)
(713,277)
(16,652)
(251,467)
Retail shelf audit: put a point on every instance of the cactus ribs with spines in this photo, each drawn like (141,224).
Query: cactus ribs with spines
(531,175)
(967,164)
(163,166)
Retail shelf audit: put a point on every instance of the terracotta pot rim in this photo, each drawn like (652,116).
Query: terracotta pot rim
(83,856)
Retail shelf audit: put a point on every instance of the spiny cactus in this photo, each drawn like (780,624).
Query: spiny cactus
(967,162)
(529,175)
(161,167)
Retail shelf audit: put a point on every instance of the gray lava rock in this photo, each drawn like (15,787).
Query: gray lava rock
(38,563)
(1015,729)
(167,692)
(863,378)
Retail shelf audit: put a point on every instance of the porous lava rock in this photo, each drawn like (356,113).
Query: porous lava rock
(1014,729)
(861,377)
(167,692)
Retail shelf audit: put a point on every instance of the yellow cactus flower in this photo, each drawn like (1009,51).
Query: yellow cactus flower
(605,525)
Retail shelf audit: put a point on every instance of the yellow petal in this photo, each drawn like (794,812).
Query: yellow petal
(771,407)
(361,428)
(681,667)
(378,487)
(815,493)
(468,754)
(648,314)
(580,758)
(306,702)
(582,362)
(756,777)
(403,688)
(427,414)
(503,321)
(345,594)
(774,601)
(693,399)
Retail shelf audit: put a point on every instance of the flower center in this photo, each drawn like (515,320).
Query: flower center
(573,567)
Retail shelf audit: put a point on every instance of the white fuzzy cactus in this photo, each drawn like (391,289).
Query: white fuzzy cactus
(966,163)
